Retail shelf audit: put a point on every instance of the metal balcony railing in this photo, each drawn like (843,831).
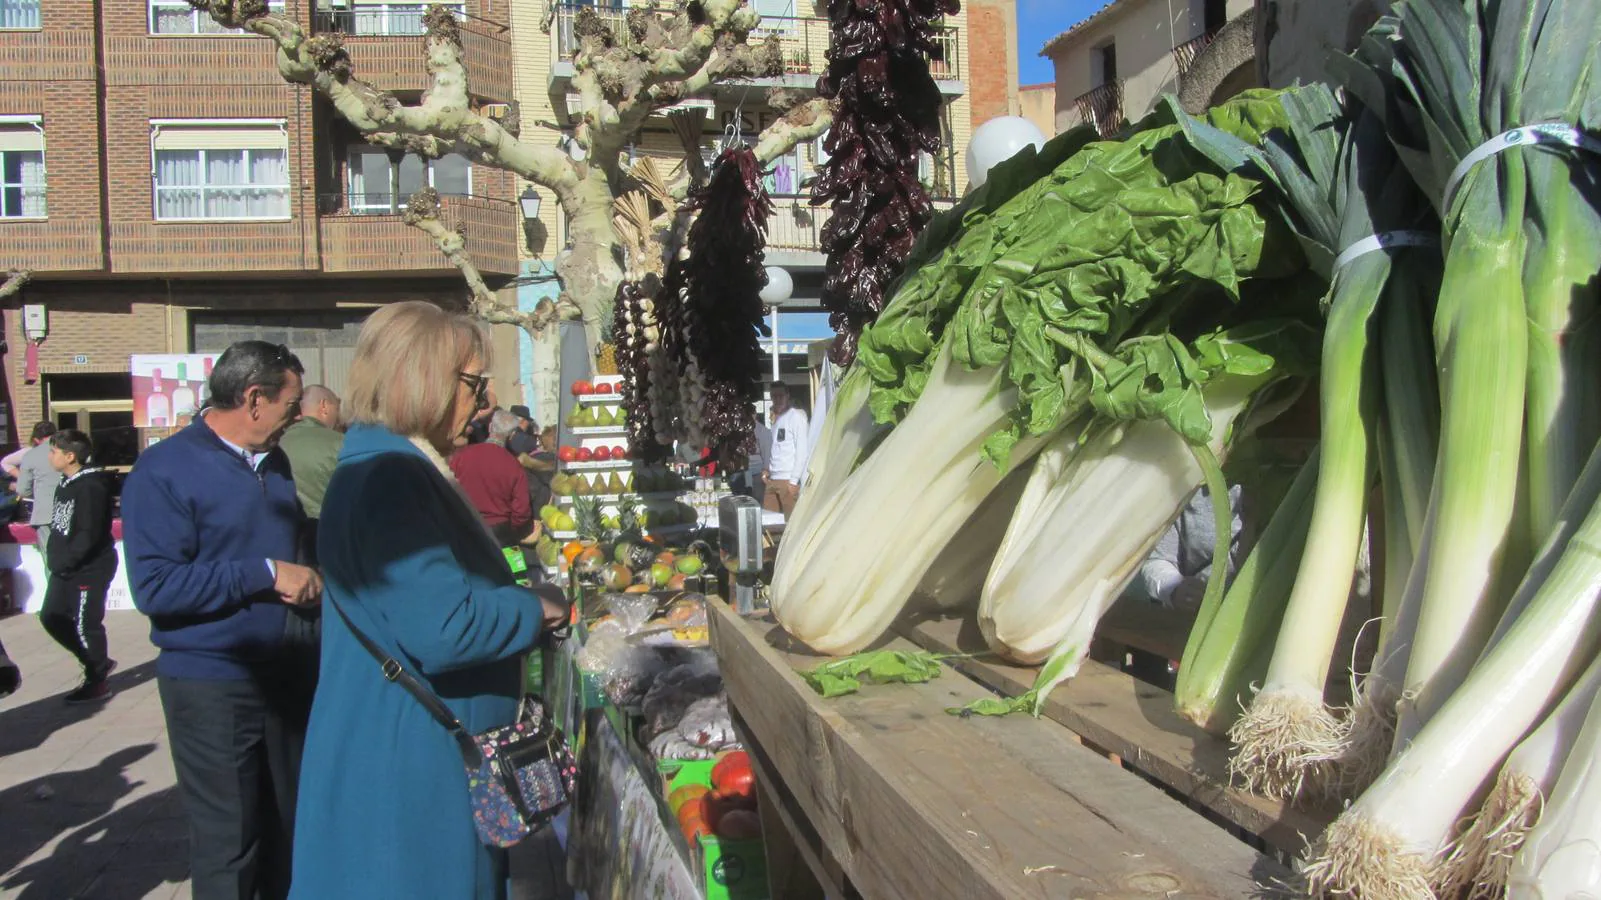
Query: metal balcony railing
(1185,54)
(798,225)
(394,19)
(352,203)
(803,39)
(1102,108)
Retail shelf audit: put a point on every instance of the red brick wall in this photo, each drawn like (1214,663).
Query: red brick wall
(991,50)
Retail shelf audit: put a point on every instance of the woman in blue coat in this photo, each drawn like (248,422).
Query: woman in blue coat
(383,810)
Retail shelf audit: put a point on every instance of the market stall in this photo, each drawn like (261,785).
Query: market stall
(20,559)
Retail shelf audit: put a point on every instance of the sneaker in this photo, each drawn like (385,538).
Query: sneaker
(97,691)
(111,666)
(10,679)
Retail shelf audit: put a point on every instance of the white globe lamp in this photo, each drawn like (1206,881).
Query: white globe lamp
(780,286)
(996,141)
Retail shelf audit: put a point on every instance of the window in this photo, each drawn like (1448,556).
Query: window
(382,18)
(19,13)
(220,171)
(22,179)
(325,342)
(178,17)
(379,186)
(1214,15)
(1106,63)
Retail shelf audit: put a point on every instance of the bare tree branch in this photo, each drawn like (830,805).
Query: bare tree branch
(444,115)
(16,279)
(800,124)
(423,213)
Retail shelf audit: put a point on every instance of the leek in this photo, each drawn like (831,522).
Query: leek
(1394,840)
(1481,862)
(1230,646)
(1560,857)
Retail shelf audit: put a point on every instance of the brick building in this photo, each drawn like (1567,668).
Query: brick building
(171,194)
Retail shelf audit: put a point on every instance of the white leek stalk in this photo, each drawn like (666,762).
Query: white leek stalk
(1288,743)
(1392,841)
(1481,861)
(1562,856)
(1088,518)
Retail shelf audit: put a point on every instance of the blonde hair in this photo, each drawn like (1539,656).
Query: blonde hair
(409,360)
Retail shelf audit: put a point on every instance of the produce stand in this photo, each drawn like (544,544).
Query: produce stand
(622,837)
(883,794)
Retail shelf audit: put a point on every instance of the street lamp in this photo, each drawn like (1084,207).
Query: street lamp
(530,201)
(997,141)
(780,287)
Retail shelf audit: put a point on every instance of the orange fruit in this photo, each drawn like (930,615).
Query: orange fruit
(686,794)
(570,551)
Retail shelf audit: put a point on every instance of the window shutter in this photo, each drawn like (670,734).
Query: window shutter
(219,137)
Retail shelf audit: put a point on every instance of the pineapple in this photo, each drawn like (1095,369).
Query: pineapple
(586,511)
(606,360)
(628,520)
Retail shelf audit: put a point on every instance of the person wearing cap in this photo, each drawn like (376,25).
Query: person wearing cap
(525,440)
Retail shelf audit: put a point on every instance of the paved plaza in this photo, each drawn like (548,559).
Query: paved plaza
(88,806)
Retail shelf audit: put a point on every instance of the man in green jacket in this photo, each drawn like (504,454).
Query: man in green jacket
(312,444)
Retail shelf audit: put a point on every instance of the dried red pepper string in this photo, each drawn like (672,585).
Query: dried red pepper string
(886,113)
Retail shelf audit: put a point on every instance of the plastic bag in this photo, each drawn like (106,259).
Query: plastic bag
(707,724)
(631,611)
(671,745)
(675,690)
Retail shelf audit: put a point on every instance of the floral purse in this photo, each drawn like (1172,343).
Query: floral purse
(519,776)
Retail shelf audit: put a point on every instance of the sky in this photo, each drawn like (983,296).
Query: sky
(1037,22)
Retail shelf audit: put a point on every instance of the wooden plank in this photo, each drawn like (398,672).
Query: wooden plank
(797,863)
(1136,722)
(1143,625)
(915,803)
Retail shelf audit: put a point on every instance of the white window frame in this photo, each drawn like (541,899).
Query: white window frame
(373,209)
(195,16)
(38,15)
(387,11)
(156,125)
(36,122)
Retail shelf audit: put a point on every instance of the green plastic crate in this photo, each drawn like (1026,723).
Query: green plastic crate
(733,870)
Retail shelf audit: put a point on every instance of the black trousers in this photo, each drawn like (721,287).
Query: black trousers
(74,613)
(236,747)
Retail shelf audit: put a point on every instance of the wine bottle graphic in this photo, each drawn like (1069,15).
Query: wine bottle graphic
(158,408)
(183,397)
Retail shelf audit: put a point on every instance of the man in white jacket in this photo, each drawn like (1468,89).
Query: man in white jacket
(786,457)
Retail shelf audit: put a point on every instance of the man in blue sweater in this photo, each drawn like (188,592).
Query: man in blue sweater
(213,537)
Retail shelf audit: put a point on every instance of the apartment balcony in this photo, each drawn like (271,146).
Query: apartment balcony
(1185,54)
(804,42)
(368,234)
(1102,108)
(385,42)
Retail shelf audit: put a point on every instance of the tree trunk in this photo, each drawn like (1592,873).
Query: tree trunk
(547,373)
(591,268)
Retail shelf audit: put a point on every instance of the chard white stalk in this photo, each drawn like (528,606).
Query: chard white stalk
(956,577)
(1393,841)
(1561,858)
(840,582)
(1056,574)
(1481,860)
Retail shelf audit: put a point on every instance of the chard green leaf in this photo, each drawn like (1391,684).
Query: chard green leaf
(847,674)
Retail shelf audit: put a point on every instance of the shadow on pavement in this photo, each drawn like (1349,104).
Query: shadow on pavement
(34,812)
(141,866)
(30,725)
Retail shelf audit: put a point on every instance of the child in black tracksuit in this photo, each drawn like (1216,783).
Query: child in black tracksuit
(82,562)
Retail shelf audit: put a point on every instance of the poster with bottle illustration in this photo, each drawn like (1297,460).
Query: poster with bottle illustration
(169,388)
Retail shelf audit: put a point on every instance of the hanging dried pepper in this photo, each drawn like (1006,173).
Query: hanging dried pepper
(886,113)
(721,359)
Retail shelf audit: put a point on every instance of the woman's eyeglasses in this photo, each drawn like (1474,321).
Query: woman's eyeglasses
(480,386)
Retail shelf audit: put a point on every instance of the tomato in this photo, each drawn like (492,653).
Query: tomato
(567,454)
(686,794)
(732,775)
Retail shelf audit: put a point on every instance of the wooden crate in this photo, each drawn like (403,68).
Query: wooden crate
(886,795)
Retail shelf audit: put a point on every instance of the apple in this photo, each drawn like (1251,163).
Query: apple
(619,452)
(582,388)
(585,454)
(601,453)
(567,454)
